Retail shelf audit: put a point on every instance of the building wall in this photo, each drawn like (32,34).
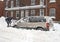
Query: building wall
(51,5)
(58,10)
(1,8)
(56,6)
(47,3)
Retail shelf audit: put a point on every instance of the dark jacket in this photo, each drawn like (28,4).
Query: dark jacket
(8,19)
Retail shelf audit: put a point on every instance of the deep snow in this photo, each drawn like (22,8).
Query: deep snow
(10,34)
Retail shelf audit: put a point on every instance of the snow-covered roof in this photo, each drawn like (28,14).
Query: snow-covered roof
(25,7)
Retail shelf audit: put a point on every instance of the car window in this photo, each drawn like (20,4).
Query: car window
(34,19)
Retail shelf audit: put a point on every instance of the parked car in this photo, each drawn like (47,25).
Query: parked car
(35,22)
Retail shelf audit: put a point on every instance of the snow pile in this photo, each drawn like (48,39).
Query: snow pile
(57,26)
(3,22)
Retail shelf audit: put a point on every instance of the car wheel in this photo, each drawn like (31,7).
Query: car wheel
(39,28)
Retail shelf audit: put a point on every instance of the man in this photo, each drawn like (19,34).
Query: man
(8,20)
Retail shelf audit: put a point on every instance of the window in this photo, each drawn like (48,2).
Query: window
(12,4)
(51,1)
(17,2)
(7,3)
(52,12)
(22,13)
(17,14)
(6,13)
(32,12)
(11,13)
(26,13)
(41,2)
(41,12)
(32,2)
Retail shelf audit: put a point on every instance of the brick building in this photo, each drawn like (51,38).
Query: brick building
(1,8)
(48,8)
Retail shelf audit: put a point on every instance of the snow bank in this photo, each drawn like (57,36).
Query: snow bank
(3,22)
(57,26)
(19,35)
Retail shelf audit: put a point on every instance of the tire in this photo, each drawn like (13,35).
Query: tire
(40,28)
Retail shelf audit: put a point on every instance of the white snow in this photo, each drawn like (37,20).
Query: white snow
(10,34)
(2,22)
(14,22)
(57,26)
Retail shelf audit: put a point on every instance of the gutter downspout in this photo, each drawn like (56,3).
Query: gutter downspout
(46,7)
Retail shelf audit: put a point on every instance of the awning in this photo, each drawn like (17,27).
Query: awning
(26,7)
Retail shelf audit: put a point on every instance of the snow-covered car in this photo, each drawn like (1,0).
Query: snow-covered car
(35,22)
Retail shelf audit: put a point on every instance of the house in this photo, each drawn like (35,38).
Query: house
(22,8)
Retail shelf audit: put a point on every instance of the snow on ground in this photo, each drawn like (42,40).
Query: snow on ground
(2,22)
(10,34)
(57,26)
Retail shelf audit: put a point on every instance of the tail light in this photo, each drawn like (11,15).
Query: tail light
(47,25)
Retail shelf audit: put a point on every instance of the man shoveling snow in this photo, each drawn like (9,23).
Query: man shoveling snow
(8,20)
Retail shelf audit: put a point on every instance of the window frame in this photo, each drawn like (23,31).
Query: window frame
(17,14)
(41,10)
(53,11)
(12,3)
(22,13)
(11,13)
(32,2)
(6,3)
(41,2)
(32,12)
(26,13)
(17,2)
